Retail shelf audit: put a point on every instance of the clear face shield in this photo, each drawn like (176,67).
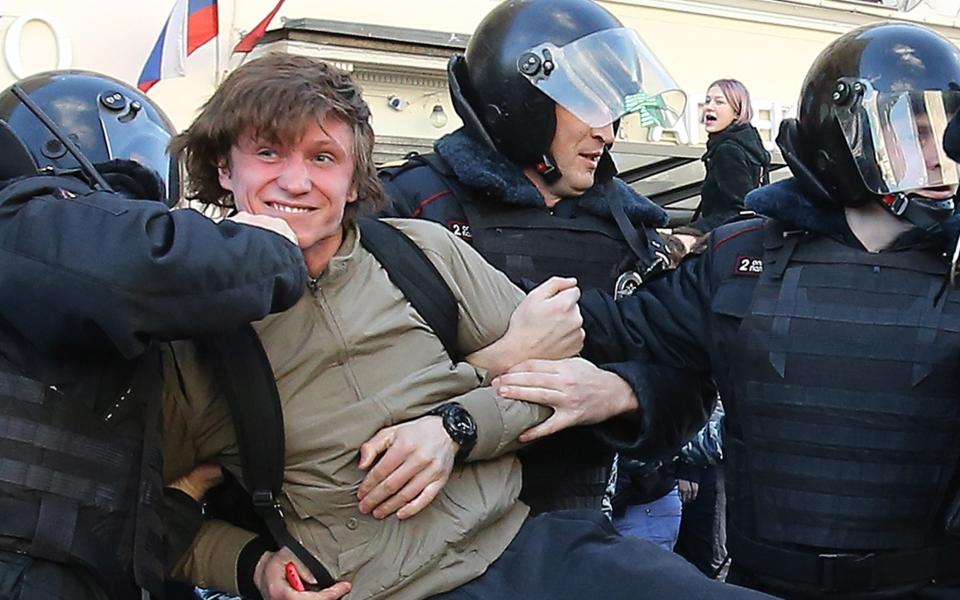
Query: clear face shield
(133,136)
(603,77)
(896,139)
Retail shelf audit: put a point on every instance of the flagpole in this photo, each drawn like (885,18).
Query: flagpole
(216,58)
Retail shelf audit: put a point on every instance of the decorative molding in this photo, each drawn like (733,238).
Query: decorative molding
(385,75)
(834,16)
(363,59)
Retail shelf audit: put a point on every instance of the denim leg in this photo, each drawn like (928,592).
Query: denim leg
(657,521)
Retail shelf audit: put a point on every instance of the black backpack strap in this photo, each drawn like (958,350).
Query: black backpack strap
(244,372)
(410,270)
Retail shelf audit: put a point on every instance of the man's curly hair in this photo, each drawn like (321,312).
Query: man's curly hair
(273,98)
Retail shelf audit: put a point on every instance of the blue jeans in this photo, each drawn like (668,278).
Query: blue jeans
(657,521)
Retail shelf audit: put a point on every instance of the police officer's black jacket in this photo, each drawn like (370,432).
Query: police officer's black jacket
(417,191)
(89,282)
(488,201)
(837,368)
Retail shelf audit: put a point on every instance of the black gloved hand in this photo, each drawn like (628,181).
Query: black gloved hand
(951,138)
(133,180)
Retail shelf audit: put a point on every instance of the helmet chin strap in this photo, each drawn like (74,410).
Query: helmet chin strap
(925,213)
(548,170)
(929,215)
(551,173)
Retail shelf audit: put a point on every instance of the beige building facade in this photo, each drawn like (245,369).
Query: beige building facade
(398,49)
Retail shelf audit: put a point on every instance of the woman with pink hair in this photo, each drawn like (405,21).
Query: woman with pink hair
(736,160)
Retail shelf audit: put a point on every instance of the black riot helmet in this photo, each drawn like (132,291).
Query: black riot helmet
(873,111)
(105,118)
(526,56)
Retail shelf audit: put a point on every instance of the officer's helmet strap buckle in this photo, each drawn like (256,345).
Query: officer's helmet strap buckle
(895,203)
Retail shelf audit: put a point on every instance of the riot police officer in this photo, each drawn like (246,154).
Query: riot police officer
(832,333)
(529,181)
(94,268)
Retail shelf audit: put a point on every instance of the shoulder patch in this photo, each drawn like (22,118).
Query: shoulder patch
(461,229)
(748,265)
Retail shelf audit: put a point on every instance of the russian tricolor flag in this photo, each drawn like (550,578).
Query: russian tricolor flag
(191,24)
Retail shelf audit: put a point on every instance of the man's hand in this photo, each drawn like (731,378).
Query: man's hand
(274,224)
(688,490)
(417,458)
(547,325)
(199,481)
(271,579)
(579,393)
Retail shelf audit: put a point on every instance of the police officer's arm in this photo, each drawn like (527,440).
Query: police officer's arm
(656,341)
(653,389)
(181,510)
(100,270)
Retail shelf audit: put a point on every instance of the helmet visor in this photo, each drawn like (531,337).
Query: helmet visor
(133,136)
(603,76)
(896,139)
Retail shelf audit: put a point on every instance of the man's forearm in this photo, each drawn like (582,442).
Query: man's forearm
(214,557)
(498,357)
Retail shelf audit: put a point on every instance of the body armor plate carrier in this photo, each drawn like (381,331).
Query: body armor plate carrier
(569,469)
(80,477)
(847,403)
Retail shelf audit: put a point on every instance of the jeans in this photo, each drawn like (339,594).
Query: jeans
(657,521)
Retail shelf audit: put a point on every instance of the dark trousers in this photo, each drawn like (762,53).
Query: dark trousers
(573,555)
(701,539)
(26,578)
(948,590)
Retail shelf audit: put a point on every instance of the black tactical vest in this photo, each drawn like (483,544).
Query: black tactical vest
(531,245)
(80,459)
(847,399)
(569,469)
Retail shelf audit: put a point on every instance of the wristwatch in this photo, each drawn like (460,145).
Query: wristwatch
(459,425)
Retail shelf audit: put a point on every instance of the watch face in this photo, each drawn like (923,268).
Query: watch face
(461,428)
(459,425)
(463,424)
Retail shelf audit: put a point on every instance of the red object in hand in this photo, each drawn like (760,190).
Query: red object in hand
(293,578)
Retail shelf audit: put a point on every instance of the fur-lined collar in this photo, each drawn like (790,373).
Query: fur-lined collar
(786,202)
(479,167)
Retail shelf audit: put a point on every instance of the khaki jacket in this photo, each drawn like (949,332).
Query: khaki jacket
(351,358)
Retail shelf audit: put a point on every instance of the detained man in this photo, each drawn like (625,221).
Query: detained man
(290,136)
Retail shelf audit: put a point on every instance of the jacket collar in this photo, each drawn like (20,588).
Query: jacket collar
(340,262)
(746,137)
(786,202)
(479,167)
